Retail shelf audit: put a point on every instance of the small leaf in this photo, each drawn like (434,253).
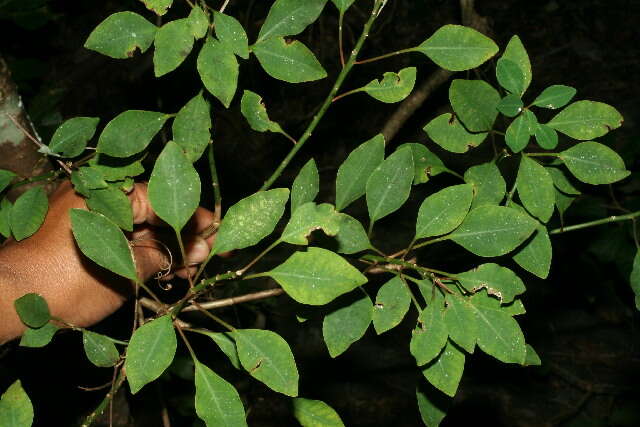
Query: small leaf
(425,163)
(306,185)
(251,219)
(100,350)
(443,211)
(230,32)
(516,53)
(317,276)
(392,303)
(430,337)
(446,370)
(351,237)
(535,189)
(40,337)
(517,135)
(343,5)
(28,213)
(497,280)
(561,181)
(531,121)
(594,163)
(532,358)
(199,22)
(5,178)
(116,168)
(584,120)
(268,358)
(5,217)
(458,48)
(432,405)
(535,255)
(130,132)
(394,87)
(150,352)
(254,110)
(103,242)
(354,172)
(32,310)
(510,76)
(173,43)
(546,137)
(85,179)
(290,17)
(511,105)
(310,217)
(460,321)
(71,137)
(488,184)
(346,324)
(389,185)
(113,204)
(217,402)
(192,127)
(16,409)
(226,345)
(446,131)
(121,34)
(555,96)
(634,279)
(289,61)
(218,69)
(315,413)
(160,7)
(475,103)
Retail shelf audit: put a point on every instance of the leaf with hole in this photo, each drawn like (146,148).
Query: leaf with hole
(71,137)
(191,128)
(443,211)
(32,310)
(290,17)
(430,336)
(28,213)
(310,217)
(230,32)
(130,132)
(254,110)
(389,185)
(289,61)
(556,96)
(392,303)
(120,34)
(394,87)
(346,323)
(306,185)
(446,131)
(315,413)
(497,280)
(594,163)
(475,103)
(100,350)
(173,43)
(218,69)
(584,120)
(217,402)
(535,189)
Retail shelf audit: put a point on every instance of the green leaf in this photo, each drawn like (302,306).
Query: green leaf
(230,32)
(103,242)
(535,255)
(561,181)
(39,337)
(458,48)
(310,217)
(546,137)
(191,127)
(594,163)
(71,137)
(290,17)
(117,168)
(5,178)
(347,323)
(532,358)
(160,7)
(517,135)
(446,131)
(516,53)
(511,105)
(199,22)
(5,220)
(510,76)
(173,43)
(100,350)
(85,179)
(28,213)
(306,185)
(443,211)
(315,413)
(218,69)
(343,5)
(121,34)
(32,310)
(150,352)
(289,61)
(392,303)
(497,280)
(475,103)
(430,337)
(531,121)
(114,204)
(535,189)
(251,219)
(130,132)
(226,345)
(394,87)
(433,406)
(634,279)
(512,309)
(490,231)
(217,402)
(353,173)
(425,163)
(488,183)
(555,96)
(254,110)
(446,370)
(16,409)
(584,120)
(351,237)
(317,276)
(563,202)
(268,358)
(389,185)
(459,319)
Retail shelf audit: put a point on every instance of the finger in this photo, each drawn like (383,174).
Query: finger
(199,222)
(185,272)
(141,207)
(196,250)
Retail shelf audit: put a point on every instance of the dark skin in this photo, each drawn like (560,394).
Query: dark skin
(77,290)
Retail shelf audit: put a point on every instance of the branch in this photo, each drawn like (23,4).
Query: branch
(235,300)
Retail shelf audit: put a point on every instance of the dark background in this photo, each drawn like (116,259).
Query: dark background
(581,320)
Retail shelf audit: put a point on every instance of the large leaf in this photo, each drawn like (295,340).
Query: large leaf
(290,61)
(488,184)
(392,303)
(173,43)
(458,48)
(217,402)
(389,185)
(516,53)
(459,318)
(230,32)
(16,409)
(394,87)
(475,103)
(218,69)
(443,211)
(535,255)
(347,323)
(150,352)
(310,217)
(130,132)
(71,137)
(113,204)
(306,185)
(174,187)
(351,237)
(32,310)
(39,337)
(268,358)
(555,96)
(28,213)
(586,120)
(594,163)
(254,110)
(535,189)
(499,281)
(315,413)
(191,127)
(317,276)
(100,350)
(290,17)
(121,34)
(251,219)
(446,370)
(430,337)
(446,131)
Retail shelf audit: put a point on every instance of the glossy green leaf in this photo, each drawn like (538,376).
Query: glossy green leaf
(425,163)
(28,213)
(100,350)
(594,163)
(430,336)
(389,185)
(218,69)
(70,138)
(226,345)
(199,22)
(251,219)
(535,189)
(532,358)
(347,324)
(535,255)
(634,279)
(351,237)
(446,131)
(510,76)
(39,337)
(343,5)
(5,217)
(546,136)
(392,303)
(103,242)
(173,43)
(531,121)
(150,352)
(445,372)
(85,179)
(120,34)
(586,120)
(16,409)
(517,134)
(130,132)
(310,217)
(458,48)
(432,406)
(561,181)
(475,103)
(317,276)
(254,110)
(460,321)
(443,211)
(516,53)
(498,281)
(511,105)
(289,61)
(315,413)
(174,187)
(353,173)
(117,168)
(393,87)
(191,128)
(290,17)
(306,185)
(268,358)
(490,231)
(32,310)
(160,7)
(555,96)
(5,178)
(230,32)
(488,184)
(113,204)
(217,402)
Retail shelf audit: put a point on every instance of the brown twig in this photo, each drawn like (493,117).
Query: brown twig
(235,300)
